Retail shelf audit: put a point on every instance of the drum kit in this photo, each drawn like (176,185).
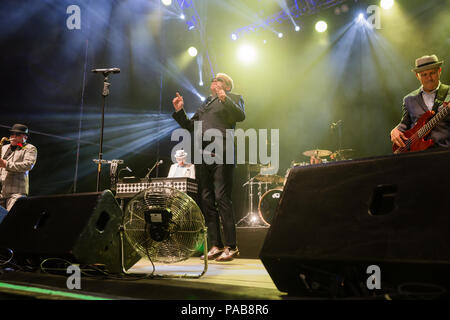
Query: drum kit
(270,186)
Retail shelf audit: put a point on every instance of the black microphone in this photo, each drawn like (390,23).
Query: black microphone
(210,100)
(107,70)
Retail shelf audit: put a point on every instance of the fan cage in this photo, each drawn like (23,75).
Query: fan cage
(185,228)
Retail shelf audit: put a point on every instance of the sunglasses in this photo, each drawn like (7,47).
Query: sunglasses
(218,79)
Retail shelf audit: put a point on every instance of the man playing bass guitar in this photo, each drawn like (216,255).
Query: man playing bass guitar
(425,121)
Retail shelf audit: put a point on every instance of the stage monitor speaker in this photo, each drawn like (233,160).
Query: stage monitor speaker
(81,228)
(3,213)
(338,221)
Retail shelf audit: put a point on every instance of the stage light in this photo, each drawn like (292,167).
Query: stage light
(321,26)
(200,83)
(202,98)
(386,4)
(246,53)
(192,51)
(280,35)
(166,2)
(233,36)
(360,17)
(297,28)
(182,17)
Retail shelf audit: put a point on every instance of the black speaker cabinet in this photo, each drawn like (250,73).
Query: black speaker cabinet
(81,228)
(337,219)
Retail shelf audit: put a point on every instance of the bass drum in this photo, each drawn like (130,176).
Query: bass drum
(268,204)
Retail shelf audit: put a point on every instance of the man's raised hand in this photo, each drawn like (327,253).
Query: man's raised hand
(178,102)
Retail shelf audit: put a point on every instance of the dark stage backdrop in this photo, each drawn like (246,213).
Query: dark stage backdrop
(299,84)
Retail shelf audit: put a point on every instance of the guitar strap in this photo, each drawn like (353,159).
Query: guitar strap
(440,96)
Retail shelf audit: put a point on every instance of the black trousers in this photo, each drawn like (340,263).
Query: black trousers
(216,182)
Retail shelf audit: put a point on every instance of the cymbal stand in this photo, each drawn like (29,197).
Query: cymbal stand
(250,184)
(338,124)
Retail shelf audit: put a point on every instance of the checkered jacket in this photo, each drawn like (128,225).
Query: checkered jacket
(14,178)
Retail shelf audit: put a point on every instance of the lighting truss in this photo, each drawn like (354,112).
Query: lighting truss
(298,8)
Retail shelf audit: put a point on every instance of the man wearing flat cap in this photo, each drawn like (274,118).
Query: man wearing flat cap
(16,160)
(431,96)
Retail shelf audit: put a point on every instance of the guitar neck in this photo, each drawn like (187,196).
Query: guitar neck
(433,122)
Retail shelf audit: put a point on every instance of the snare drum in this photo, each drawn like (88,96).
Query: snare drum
(268,204)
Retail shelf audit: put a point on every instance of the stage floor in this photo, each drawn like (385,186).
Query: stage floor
(240,279)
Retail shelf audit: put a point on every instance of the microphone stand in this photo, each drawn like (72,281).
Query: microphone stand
(147,176)
(338,124)
(105,93)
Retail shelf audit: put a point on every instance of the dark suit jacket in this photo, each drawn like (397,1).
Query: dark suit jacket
(215,114)
(413,108)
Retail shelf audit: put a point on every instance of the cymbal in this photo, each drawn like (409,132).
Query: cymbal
(271,178)
(253,166)
(317,153)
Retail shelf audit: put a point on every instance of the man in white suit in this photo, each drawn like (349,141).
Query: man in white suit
(16,160)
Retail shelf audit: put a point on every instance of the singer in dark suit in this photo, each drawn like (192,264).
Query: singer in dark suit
(221,110)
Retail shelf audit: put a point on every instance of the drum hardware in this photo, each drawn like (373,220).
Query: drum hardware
(252,217)
(261,181)
(269,178)
(268,204)
(253,167)
(343,154)
(295,164)
(317,153)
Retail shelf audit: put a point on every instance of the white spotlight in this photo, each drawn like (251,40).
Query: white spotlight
(202,98)
(233,36)
(246,53)
(360,17)
(280,35)
(182,17)
(297,28)
(321,26)
(200,83)
(386,4)
(166,2)
(192,51)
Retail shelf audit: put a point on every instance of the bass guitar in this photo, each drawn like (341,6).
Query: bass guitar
(417,134)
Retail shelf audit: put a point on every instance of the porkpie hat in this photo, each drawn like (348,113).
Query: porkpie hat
(426,63)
